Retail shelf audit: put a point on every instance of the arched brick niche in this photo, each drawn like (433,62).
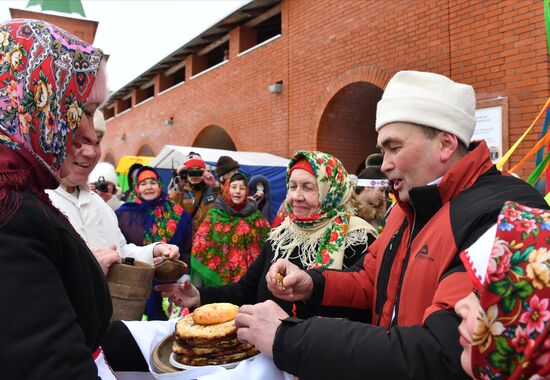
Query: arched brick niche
(214,137)
(345,114)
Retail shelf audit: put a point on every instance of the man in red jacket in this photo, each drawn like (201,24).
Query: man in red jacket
(448,194)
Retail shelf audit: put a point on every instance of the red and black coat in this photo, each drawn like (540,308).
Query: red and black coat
(411,280)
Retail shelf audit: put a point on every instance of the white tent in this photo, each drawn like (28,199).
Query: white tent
(172,156)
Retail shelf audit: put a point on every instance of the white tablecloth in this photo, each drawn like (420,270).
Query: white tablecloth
(149,334)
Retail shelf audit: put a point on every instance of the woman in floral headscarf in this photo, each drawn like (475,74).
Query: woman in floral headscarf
(506,319)
(319,232)
(149,216)
(55,301)
(231,236)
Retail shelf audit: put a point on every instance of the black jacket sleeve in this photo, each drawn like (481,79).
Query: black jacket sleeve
(325,348)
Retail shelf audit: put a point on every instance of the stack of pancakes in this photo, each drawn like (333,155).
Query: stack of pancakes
(208,336)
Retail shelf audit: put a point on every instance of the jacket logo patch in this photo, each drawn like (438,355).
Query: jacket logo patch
(209,199)
(424,253)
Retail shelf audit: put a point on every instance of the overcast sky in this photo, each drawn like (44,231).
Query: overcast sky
(139,33)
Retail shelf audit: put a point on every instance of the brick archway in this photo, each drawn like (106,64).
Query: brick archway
(346,112)
(110,158)
(145,150)
(214,137)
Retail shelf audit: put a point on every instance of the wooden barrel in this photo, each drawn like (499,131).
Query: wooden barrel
(130,287)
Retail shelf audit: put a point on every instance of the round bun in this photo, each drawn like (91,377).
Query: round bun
(215,313)
(187,329)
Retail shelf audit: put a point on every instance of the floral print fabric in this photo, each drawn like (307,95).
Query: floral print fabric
(511,333)
(226,244)
(46,74)
(324,236)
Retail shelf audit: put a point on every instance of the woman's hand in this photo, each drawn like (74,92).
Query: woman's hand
(295,285)
(166,251)
(184,295)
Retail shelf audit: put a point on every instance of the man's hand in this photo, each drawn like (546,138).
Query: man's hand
(257,324)
(165,251)
(296,284)
(185,295)
(209,179)
(106,257)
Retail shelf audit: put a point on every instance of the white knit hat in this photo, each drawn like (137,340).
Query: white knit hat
(99,122)
(431,100)
(105,170)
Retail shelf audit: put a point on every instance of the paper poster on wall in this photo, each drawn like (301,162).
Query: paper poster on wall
(489,128)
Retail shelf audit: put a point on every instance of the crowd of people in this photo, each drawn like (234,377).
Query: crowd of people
(429,263)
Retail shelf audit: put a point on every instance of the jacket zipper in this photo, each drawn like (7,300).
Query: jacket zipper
(405,258)
(385,270)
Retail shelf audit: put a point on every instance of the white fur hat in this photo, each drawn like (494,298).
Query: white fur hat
(105,170)
(99,122)
(431,100)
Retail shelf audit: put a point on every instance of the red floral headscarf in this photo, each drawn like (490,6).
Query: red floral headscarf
(46,75)
(510,266)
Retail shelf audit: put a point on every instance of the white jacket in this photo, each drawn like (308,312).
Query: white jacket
(96,222)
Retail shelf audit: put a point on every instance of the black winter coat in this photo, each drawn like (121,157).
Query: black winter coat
(55,301)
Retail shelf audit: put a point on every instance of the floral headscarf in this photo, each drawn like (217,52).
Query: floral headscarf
(226,193)
(323,237)
(513,277)
(46,75)
(229,239)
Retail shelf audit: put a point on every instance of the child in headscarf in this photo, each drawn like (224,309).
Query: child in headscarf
(320,231)
(231,236)
(55,301)
(150,218)
(505,324)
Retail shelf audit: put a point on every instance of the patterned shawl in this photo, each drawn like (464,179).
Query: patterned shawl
(321,238)
(512,274)
(228,240)
(46,75)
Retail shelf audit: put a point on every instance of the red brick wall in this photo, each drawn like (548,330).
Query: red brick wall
(84,29)
(497,46)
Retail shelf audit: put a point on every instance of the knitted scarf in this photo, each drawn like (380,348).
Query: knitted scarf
(46,75)
(321,238)
(512,274)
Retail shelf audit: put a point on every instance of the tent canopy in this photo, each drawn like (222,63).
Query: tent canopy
(172,156)
(126,161)
(252,163)
(124,165)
